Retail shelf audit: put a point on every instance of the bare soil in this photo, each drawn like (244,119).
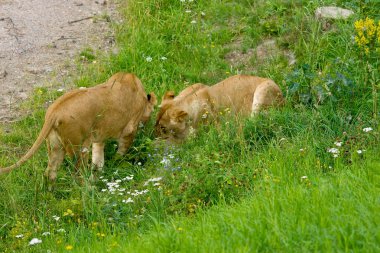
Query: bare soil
(39,40)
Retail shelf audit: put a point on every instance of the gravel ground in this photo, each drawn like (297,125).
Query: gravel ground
(39,39)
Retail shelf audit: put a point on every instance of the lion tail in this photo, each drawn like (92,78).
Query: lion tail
(40,139)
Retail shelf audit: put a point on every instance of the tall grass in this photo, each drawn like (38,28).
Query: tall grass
(239,185)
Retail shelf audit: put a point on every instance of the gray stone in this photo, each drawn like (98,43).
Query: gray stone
(332,12)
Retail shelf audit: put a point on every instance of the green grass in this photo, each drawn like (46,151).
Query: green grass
(241,185)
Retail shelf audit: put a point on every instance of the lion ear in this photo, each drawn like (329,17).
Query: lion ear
(169,95)
(180,115)
(152,98)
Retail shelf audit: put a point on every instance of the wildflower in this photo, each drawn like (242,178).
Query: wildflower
(333,150)
(303,177)
(302,150)
(166,162)
(128,178)
(148,59)
(188,11)
(193,22)
(359,151)
(60,90)
(69,247)
(366,33)
(46,233)
(367,129)
(163,58)
(129,200)
(55,217)
(69,212)
(203,14)
(35,241)
(82,88)
(338,143)
(19,236)
(61,230)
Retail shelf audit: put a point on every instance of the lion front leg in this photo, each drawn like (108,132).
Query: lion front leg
(126,138)
(56,154)
(98,155)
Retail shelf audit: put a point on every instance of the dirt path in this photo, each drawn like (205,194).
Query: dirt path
(39,39)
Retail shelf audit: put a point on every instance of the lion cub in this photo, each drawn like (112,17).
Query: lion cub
(242,94)
(88,116)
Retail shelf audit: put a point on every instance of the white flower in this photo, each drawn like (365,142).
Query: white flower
(55,217)
(19,236)
(129,200)
(203,14)
(333,150)
(338,143)
(335,155)
(165,161)
(104,190)
(359,151)
(367,129)
(118,181)
(139,163)
(155,179)
(60,90)
(61,230)
(35,241)
(148,59)
(193,22)
(128,178)
(303,177)
(188,11)
(163,58)
(302,150)
(46,233)
(156,184)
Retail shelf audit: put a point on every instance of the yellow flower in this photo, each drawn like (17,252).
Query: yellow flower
(69,247)
(69,212)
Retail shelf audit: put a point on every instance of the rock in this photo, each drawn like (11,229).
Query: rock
(3,74)
(332,12)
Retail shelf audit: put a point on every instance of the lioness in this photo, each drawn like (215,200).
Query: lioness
(88,116)
(242,94)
